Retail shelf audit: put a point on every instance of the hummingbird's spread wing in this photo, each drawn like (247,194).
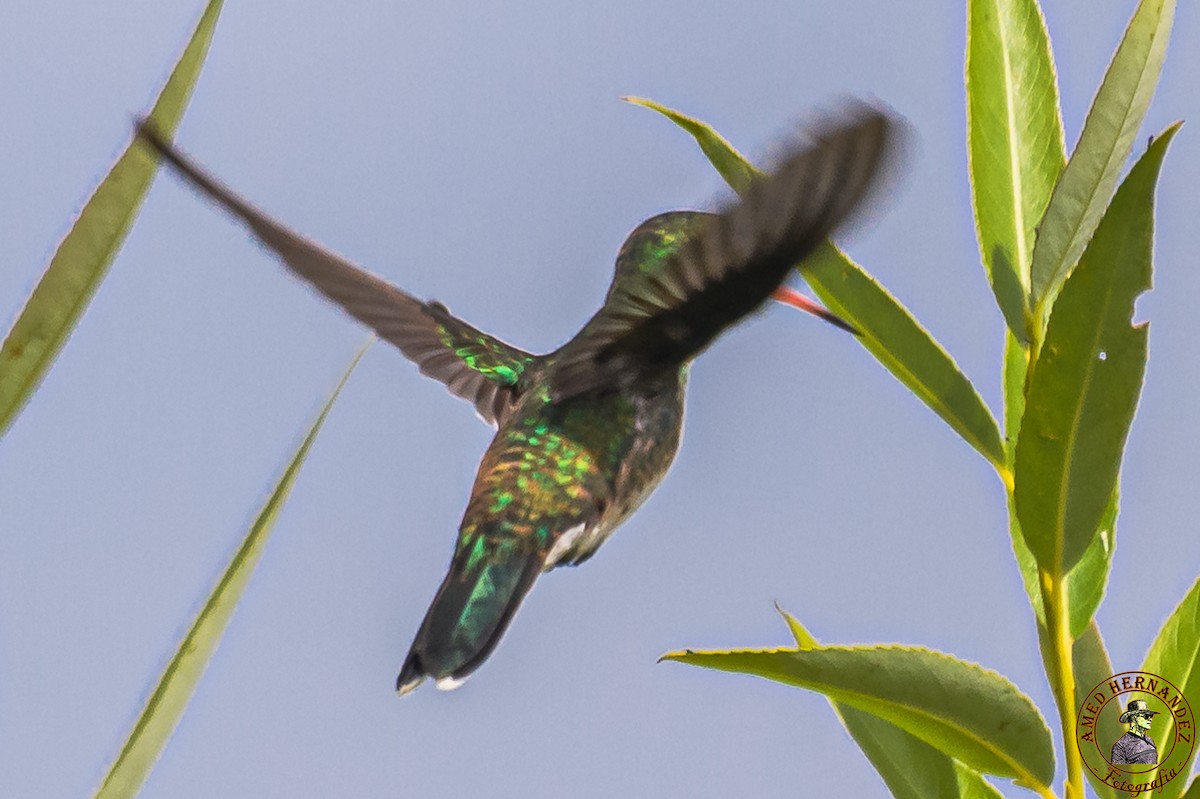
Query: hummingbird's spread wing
(661,317)
(473,365)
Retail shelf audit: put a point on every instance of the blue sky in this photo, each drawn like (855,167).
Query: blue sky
(479,155)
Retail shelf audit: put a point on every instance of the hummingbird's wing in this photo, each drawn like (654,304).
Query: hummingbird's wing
(660,318)
(473,365)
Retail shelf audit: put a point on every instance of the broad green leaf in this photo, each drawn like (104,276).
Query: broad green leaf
(911,768)
(1015,145)
(890,333)
(732,165)
(84,256)
(1084,387)
(1175,655)
(178,682)
(1087,579)
(907,350)
(1193,791)
(971,714)
(1082,193)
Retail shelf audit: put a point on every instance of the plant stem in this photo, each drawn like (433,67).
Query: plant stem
(1058,630)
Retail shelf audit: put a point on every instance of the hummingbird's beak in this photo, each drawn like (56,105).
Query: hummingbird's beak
(789,296)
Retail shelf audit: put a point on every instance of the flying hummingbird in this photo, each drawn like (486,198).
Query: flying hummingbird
(585,433)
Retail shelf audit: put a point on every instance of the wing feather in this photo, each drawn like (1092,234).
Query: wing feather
(731,264)
(473,365)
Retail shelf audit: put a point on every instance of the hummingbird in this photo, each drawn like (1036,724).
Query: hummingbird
(585,433)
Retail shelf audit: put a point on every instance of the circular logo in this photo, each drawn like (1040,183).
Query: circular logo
(1135,731)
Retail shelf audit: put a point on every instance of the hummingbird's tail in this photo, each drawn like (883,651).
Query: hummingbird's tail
(470,613)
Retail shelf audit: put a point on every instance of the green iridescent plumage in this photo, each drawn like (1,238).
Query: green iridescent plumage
(584,433)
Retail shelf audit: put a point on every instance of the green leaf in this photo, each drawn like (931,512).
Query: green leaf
(732,165)
(1084,387)
(1015,145)
(890,333)
(1016,369)
(907,350)
(911,768)
(1193,791)
(1175,655)
(1087,580)
(178,682)
(1091,666)
(971,714)
(1113,121)
(84,256)
(804,639)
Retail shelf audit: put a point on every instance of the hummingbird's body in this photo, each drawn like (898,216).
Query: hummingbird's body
(555,482)
(585,433)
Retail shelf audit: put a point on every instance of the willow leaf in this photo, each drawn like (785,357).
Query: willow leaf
(82,259)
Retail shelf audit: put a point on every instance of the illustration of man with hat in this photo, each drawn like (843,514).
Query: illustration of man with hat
(1136,747)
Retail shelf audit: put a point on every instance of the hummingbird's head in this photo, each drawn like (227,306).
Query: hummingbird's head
(652,243)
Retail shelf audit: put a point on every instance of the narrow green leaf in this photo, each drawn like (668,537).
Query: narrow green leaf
(907,350)
(804,639)
(890,333)
(84,256)
(178,682)
(1113,121)
(1016,369)
(1087,580)
(1175,655)
(1084,387)
(911,768)
(1015,145)
(732,165)
(1091,665)
(971,714)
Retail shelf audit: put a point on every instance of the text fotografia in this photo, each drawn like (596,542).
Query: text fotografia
(1117,780)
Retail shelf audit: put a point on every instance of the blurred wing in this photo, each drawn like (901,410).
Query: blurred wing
(473,365)
(732,264)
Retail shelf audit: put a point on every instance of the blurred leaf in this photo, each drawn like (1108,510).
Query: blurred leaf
(907,350)
(732,165)
(1113,121)
(1014,142)
(1175,655)
(1084,387)
(178,682)
(83,258)
(911,768)
(1193,791)
(963,710)
(890,333)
